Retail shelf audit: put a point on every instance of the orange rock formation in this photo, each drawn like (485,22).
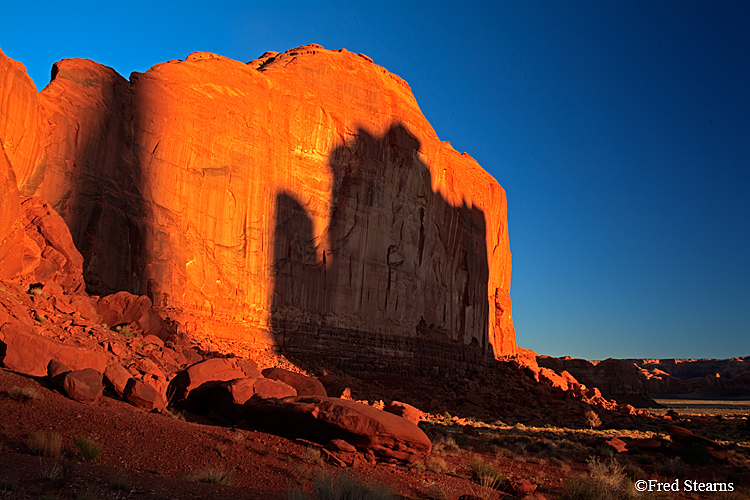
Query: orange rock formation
(301,199)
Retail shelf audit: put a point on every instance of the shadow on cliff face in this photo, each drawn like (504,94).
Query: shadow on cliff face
(398,281)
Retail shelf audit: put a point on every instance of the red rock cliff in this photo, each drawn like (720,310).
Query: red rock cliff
(301,198)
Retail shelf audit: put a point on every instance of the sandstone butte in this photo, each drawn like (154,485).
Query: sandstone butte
(301,199)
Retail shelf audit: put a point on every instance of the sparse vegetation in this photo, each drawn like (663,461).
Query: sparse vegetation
(215,475)
(313,457)
(124,330)
(56,474)
(46,444)
(592,419)
(90,450)
(24,393)
(486,474)
(437,465)
(606,481)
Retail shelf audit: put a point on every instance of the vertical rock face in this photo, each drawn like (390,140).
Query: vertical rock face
(301,199)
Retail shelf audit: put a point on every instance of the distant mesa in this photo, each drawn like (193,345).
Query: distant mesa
(301,200)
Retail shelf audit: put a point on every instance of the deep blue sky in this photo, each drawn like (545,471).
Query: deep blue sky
(619,129)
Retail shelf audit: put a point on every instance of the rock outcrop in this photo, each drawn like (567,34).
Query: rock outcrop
(301,199)
(616,378)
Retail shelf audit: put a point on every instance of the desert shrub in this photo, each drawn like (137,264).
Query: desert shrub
(416,465)
(502,452)
(24,393)
(46,444)
(443,444)
(89,450)
(486,473)
(606,481)
(437,465)
(592,419)
(56,474)
(124,330)
(634,472)
(312,456)
(342,487)
(215,475)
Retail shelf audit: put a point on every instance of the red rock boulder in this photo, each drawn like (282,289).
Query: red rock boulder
(407,411)
(304,385)
(225,400)
(83,385)
(117,377)
(372,431)
(209,373)
(144,396)
(28,353)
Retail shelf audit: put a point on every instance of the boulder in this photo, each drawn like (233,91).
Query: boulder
(117,377)
(83,385)
(694,448)
(304,385)
(56,371)
(122,308)
(336,387)
(29,353)
(208,373)
(520,487)
(54,254)
(371,431)
(225,400)
(144,396)
(268,388)
(407,411)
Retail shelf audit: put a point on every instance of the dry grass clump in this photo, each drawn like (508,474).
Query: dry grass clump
(445,444)
(90,450)
(24,393)
(46,444)
(344,486)
(437,465)
(313,457)
(606,481)
(485,473)
(215,475)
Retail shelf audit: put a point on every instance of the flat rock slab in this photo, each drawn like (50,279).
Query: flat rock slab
(29,353)
(320,419)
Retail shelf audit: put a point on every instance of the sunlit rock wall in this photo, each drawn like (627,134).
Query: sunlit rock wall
(301,199)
